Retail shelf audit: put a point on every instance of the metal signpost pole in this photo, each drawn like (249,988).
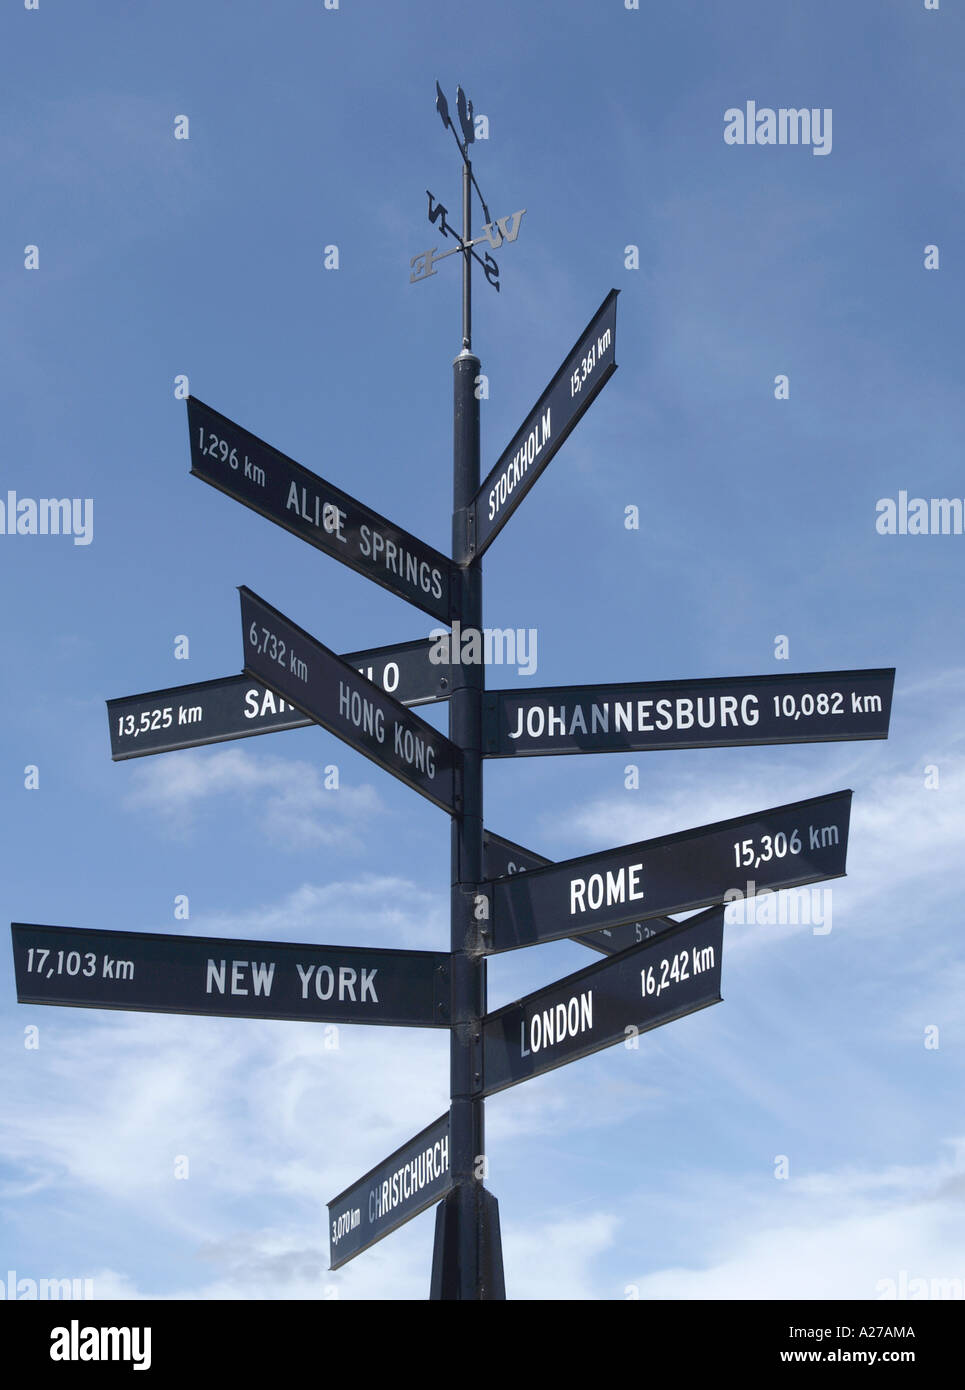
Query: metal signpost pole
(459,1258)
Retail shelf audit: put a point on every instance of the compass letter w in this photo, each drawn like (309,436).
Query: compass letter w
(507,227)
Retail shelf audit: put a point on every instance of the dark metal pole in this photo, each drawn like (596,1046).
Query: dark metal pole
(467,1260)
(467,279)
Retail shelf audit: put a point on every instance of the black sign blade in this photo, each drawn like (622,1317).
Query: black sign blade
(406,671)
(613,941)
(301,670)
(397,1189)
(584,372)
(663,979)
(728,711)
(783,847)
(155,973)
(502,857)
(244,467)
(192,716)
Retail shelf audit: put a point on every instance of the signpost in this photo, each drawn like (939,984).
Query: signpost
(251,471)
(783,847)
(581,377)
(397,1189)
(732,711)
(671,975)
(309,676)
(190,716)
(155,973)
(502,896)
(503,857)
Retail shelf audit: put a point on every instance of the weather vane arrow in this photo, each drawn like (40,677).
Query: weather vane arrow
(495,231)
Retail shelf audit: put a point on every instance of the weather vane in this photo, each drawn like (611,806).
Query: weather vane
(495,231)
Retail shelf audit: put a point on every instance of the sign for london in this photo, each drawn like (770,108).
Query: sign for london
(644,987)
(618,902)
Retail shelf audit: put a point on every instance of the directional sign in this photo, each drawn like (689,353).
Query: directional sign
(783,847)
(585,371)
(674,974)
(309,676)
(407,1182)
(251,471)
(188,716)
(816,707)
(245,979)
(502,857)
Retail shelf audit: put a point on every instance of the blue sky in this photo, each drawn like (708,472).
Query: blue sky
(651,1170)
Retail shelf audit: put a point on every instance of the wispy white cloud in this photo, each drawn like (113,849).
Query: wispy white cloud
(845,1234)
(371,910)
(290,800)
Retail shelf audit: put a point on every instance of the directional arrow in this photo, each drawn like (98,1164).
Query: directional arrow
(502,857)
(249,470)
(671,975)
(815,707)
(190,716)
(783,847)
(298,668)
(154,973)
(584,372)
(397,1189)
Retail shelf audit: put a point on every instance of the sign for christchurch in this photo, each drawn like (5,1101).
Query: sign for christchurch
(404,1184)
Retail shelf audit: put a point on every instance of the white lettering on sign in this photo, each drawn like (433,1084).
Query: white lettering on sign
(409,1180)
(414,750)
(324,516)
(518,466)
(360,711)
(589,894)
(394,557)
(230,975)
(636,716)
(343,977)
(547,1027)
(258,703)
(332,519)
